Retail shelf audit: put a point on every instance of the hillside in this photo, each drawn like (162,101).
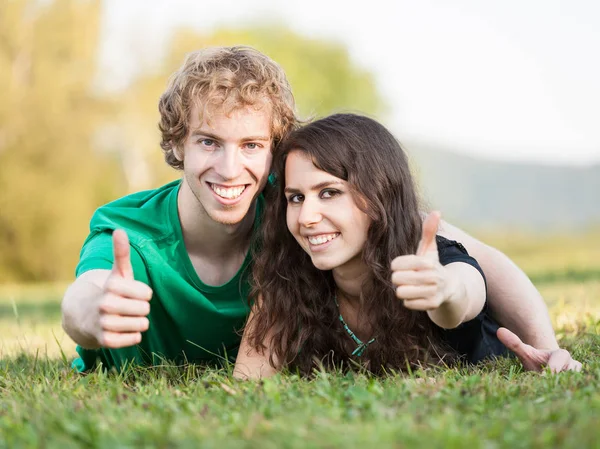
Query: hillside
(492,194)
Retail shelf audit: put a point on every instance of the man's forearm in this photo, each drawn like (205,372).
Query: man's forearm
(516,303)
(513,300)
(73,315)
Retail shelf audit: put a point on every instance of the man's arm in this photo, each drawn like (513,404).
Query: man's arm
(513,299)
(77,308)
(107,308)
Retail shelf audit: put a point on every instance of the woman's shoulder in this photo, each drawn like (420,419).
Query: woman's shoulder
(452,251)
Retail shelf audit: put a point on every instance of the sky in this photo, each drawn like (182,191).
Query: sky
(511,80)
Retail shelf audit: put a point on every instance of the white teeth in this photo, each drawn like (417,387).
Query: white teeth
(229,192)
(319,240)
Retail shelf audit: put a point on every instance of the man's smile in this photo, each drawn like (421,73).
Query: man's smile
(228,192)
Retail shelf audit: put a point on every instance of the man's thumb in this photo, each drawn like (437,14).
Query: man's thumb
(531,358)
(510,340)
(430,228)
(122,254)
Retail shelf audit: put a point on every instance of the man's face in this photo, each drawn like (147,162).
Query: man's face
(227,162)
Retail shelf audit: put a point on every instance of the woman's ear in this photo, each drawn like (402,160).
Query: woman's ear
(374,209)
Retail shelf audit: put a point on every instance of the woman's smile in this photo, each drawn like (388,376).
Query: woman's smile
(321,242)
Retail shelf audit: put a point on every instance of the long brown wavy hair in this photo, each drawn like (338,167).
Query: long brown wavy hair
(294,301)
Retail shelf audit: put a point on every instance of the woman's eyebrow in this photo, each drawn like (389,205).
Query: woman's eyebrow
(318,186)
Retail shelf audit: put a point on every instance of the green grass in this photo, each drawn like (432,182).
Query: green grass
(44,404)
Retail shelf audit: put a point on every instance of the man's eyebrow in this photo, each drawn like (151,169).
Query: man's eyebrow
(260,138)
(318,186)
(199,132)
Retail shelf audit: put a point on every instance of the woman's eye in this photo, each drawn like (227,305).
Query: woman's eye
(295,199)
(329,193)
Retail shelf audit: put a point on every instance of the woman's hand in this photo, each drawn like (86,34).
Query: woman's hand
(421,281)
(451,294)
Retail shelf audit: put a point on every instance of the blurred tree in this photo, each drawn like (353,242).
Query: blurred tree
(64,151)
(50,178)
(323,77)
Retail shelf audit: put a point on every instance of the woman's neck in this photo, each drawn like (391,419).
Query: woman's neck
(349,279)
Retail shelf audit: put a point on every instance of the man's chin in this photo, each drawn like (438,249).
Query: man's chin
(228,218)
(229,215)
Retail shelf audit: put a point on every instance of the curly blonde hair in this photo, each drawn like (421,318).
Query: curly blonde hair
(227,77)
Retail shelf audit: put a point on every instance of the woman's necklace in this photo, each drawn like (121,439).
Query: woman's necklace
(361,346)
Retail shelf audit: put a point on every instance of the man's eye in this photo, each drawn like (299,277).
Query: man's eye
(252,146)
(207,142)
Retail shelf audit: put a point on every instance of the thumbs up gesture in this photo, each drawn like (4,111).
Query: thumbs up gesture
(123,306)
(420,280)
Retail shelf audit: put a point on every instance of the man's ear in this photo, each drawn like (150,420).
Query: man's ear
(177,151)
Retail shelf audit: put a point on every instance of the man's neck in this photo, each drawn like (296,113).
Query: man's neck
(205,237)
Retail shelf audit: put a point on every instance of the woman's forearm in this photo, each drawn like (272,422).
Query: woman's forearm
(249,363)
(465,296)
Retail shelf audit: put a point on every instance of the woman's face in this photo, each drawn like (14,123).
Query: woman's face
(322,214)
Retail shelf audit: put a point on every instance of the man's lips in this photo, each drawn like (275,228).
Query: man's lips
(228,192)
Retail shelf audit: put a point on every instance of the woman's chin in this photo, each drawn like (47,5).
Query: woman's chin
(324,264)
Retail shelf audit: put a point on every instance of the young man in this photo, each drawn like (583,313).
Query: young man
(187,244)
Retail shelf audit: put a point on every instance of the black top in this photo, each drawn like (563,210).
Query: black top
(475,340)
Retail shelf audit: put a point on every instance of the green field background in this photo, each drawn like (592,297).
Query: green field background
(45,404)
(566,270)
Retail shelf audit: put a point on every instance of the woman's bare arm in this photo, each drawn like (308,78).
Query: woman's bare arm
(249,363)
(466,299)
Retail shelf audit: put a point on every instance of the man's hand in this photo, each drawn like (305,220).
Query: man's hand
(513,300)
(420,280)
(119,315)
(537,359)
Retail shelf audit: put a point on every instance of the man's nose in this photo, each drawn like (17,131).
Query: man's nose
(229,166)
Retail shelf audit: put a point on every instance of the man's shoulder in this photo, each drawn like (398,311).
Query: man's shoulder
(145,199)
(146,213)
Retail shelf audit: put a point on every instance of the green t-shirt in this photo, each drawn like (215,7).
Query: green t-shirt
(189,320)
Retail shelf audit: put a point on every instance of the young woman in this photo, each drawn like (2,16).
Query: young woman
(358,276)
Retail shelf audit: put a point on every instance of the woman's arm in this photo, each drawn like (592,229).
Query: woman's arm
(464,298)
(451,294)
(249,363)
